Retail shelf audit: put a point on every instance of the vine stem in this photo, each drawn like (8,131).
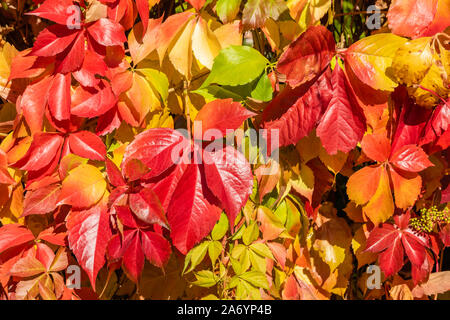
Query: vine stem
(186,85)
(433,93)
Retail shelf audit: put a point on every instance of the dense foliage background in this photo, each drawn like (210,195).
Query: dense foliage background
(333,183)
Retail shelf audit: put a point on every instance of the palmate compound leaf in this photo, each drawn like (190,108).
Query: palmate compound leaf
(343,124)
(372,186)
(307,56)
(139,241)
(393,242)
(88,233)
(191,192)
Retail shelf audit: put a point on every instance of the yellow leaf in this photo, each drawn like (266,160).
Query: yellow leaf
(406,188)
(229,34)
(334,162)
(432,81)
(371,59)
(13,209)
(413,60)
(302,180)
(361,186)
(272,34)
(83,187)
(180,52)
(381,206)
(204,44)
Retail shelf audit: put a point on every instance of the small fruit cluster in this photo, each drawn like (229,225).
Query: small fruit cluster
(428,218)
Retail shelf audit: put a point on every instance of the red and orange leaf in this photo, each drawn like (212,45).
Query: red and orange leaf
(307,56)
(89,232)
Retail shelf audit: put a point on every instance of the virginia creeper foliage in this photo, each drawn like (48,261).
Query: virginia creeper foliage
(224,149)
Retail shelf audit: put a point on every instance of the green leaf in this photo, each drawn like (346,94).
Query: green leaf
(214,250)
(258,262)
(236,65)
(205,278)
(263,89)
(256,279)
(262,249)
(195,256)
(251,233)
(227,9)
(221,227)
(214,92)
(158,80)
(238,234)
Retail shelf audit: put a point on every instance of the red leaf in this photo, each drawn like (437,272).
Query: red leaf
(114,174)
(53,40)
(381,238)
(197,4)
(5,177)
(410,18)
(229,177)
(133,256)
(156,248)
(59,97)
(126,217)
(438,124)
(135,169)
(391,260)
(143,9)
(414,250)
(92,64)
(411,122)
(155,148)
(71,59)
(421,273)
(165,185)
(410,158)
(56,10)
(191,216)
(88,233)
(42,200)
(221,114)
(54,238)
(146,206)
(42,151)
(295,112)
(343,124)
(307,56)
(107,32)
(90,102)
(87,145)
(33,102)
(376,146)
(12,235)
